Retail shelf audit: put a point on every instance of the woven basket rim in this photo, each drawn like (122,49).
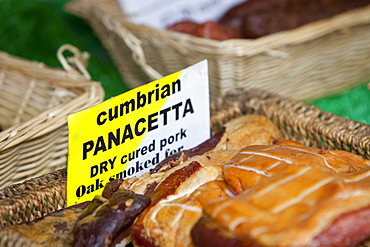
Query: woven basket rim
(54,117)
(14,62)
(116,21)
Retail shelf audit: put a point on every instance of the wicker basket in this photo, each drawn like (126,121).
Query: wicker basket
(297,121)
(306,63)
(34,106)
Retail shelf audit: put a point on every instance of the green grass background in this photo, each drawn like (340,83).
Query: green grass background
(35,29)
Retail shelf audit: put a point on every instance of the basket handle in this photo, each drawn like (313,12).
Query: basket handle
(135,45)
(76,64)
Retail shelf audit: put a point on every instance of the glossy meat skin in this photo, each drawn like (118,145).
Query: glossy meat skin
(258,18)
(106,221)
(193,179)
(290,195)
(208,30)
(255,18)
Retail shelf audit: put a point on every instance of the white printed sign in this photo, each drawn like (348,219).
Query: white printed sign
(162,13)
(131,133)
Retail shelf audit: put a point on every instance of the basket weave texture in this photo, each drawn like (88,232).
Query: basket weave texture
(306,63)
(296,120)
(33,198)
(34,105)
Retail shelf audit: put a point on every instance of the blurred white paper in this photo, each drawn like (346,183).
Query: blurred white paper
(162,13)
